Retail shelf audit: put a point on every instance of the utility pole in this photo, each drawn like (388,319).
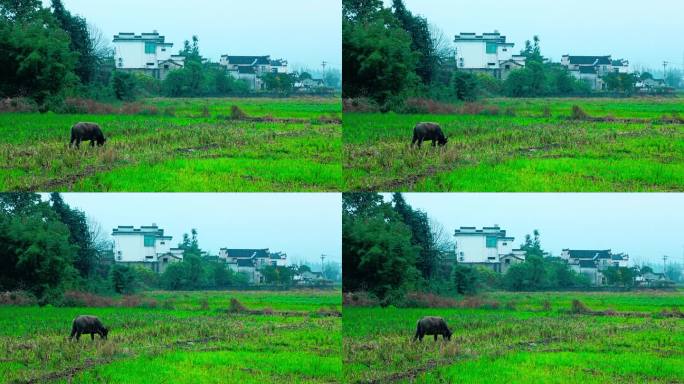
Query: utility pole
(324,64)
(322,258)
(664,260)
(665,64)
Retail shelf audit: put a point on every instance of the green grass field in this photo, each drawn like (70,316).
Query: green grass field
(181,146)
(188,338)
(527,145)
(528,338)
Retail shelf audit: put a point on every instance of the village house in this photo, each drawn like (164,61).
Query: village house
(591,69)
(590,263)
(488,247)
(487,53)
(145,246)
(653,280)
(250,261)
(250,69)
(147,53)
(308,85)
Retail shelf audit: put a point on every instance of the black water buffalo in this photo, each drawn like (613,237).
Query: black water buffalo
(430,325)
(87,131)
(88,324)
(428,131)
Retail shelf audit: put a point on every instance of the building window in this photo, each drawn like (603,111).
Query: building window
(507,261)
(149,241)
(491,48)
(502,244)
(150,47)
(491,241)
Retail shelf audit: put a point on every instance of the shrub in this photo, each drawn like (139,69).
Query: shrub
(204,304)
(236,113)
(170,111)
(428,300)
(130,301)
(578,113)
(150,111)
(579,308)
(465,86)
(21,298)
(427,106)
(86,106)
(85,299)
(18,104)
(360,104)
(236,306)
(131,109)
(360,299)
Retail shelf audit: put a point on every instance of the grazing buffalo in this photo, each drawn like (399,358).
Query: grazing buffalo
(430,325)
(85,132)
(428,131)
(88,324)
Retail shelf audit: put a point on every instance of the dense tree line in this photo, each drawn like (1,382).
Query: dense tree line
(390,248)
(48,247)
(48,54)
(391,55)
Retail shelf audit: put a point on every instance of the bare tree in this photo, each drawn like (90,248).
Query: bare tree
(99,238)
(99,43)
(441,43)
(441,237)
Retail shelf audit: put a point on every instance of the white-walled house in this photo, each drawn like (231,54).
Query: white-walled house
(489,247)
(487,53)
(147,53)
(146,246)
(250,261)
(250,68)
(591,262)
(591,69)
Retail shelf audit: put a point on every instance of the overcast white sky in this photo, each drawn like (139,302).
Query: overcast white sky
(304,225)
(644,32)
(305,32)
(646,226)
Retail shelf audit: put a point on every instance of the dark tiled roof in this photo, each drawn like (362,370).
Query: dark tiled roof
(246,70)
(587,70)
(248,253)
(587,264)
(249,60)
(590,60)
(589,254)
(245,263)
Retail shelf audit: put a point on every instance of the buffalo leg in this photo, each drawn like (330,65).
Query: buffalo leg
(420,142)
(92,336)
(78,143)
(73,333)
(435,337)
(415,138)
(92,143)
(78,335)
(434,143)
(71,143)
